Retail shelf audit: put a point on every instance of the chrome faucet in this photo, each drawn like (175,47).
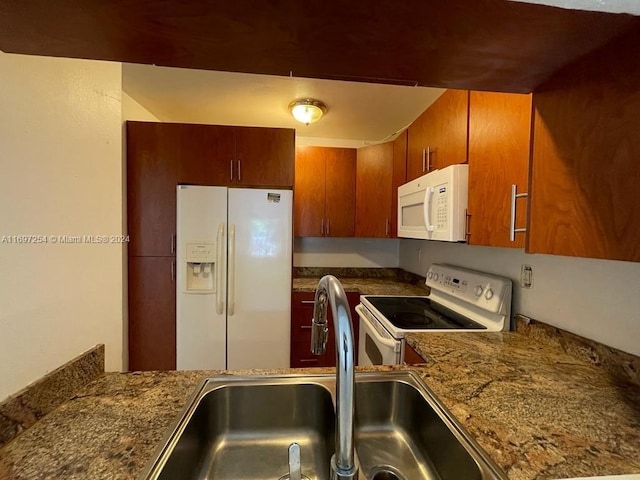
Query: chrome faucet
(330,291)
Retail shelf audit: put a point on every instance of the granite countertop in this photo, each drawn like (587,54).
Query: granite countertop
(537,410)
(363,281)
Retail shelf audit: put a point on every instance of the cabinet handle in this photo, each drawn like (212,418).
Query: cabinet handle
(231,163)
(239,171)
(305,327)
(387,225)
(466,224)
(428,159)
(173,243)
(173,270)
(424,159)
(514,196)
(309,360)
(307,302)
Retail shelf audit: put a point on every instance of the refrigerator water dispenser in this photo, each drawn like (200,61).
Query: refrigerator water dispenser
(201,265)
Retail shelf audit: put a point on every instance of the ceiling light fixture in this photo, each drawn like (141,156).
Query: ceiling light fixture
(307,110)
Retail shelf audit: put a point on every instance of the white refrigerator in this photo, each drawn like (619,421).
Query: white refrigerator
(233,279)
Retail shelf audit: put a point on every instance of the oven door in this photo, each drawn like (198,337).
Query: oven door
(377,346)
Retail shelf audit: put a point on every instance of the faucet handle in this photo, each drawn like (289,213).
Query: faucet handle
(294,462)
(319,336)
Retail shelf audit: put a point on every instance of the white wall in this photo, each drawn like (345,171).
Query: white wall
(61,164)
(597,299)
(345,252)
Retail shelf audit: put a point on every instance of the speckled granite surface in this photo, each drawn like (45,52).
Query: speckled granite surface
(538,411)
(23,409)
(379,281)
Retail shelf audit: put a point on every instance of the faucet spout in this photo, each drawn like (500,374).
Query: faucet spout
(330,291)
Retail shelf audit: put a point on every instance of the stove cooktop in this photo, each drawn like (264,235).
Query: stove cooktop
(420,313)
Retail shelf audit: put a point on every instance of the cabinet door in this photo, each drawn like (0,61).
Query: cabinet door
(499,144)
(416,145)
(340,192)
(447,129)
(301,315)
(265,157)
(374,188)
(152,313)
(411,357)
(399,177)
(438,137)
(152,169)
(308,193)
(206,153)
(584,188)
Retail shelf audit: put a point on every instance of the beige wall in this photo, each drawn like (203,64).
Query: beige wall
(61,164)
(345,252)
(597,299)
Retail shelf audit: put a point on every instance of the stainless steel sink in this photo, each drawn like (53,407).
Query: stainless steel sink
(241,428)
(401,434)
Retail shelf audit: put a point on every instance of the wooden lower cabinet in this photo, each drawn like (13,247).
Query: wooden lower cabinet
(301,315)
(152,313)
(411,357)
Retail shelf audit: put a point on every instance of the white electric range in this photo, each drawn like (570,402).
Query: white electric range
(461,300)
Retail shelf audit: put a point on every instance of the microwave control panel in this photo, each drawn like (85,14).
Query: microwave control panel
(441,201)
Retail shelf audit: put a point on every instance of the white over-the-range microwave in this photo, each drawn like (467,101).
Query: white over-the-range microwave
(434,206)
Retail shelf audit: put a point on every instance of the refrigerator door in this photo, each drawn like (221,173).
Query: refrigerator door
(258,324)
(201,277)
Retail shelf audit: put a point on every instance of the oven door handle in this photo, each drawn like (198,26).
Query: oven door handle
(387,342)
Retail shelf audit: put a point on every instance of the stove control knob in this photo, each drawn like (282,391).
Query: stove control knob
(488,294)
(430,275)
(435,276)
(478,290)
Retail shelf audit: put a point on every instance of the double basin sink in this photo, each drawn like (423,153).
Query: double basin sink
(241,428)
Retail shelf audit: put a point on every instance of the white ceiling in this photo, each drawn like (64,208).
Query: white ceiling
(358,113)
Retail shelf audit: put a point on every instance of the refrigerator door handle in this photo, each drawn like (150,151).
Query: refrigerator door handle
(219,270)
(232,269)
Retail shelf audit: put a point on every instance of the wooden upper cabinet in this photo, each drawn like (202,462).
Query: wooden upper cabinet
(324,192)
(499,145)
(584,194)
(374,189)
(162,155)
(206,152)
(399,177)
(265,157)
(153,158)
(309,192)
(340,193)
(438,137)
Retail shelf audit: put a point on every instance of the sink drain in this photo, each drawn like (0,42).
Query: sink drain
(385,472)
(286,477)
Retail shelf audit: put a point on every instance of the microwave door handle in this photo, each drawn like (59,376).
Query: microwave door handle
(428,198)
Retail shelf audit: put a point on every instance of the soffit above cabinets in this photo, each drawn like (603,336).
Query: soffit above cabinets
(476,44)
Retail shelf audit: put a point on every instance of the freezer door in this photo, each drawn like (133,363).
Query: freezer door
(258,324)
(201,278)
